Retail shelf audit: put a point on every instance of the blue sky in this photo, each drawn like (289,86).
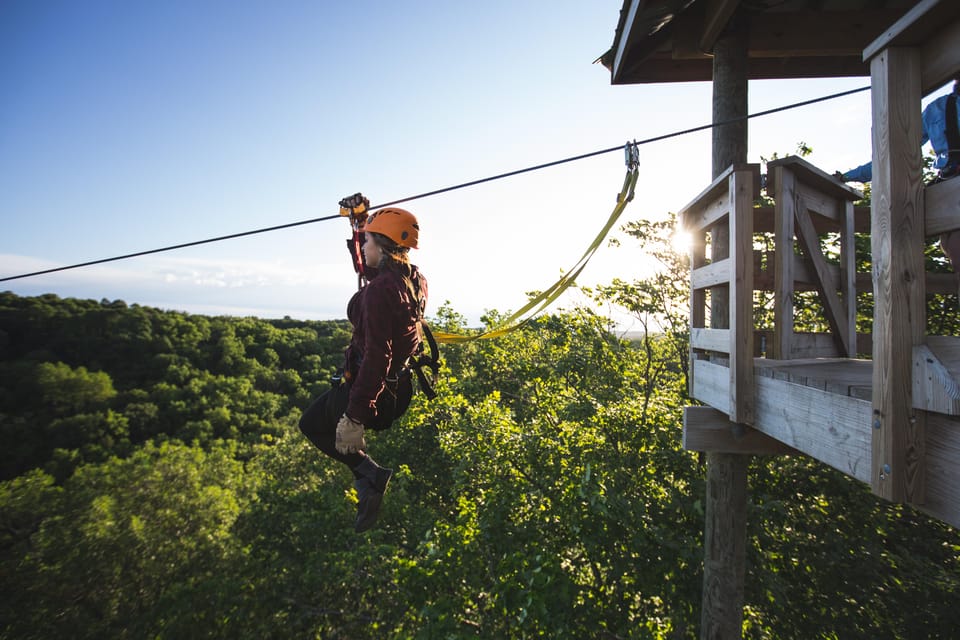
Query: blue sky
(127,126)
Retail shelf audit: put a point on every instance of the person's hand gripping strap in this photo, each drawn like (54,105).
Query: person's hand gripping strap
(350,435)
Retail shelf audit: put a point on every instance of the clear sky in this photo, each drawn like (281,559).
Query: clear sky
(126,126)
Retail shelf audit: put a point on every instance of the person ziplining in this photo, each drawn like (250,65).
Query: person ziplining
(374,386)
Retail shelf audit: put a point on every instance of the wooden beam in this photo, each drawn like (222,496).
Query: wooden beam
(685,40)
(661,68)
(934,387)
(705,213)
(811,174)
(943,469)
(698,297)
(763,220)
(711,275)
(897,241)
(706,429)
(915,27)
(816,33)
(939,53)
(712,203)
(710,339)
(626,41)
(827,209)
(834,429)
(717,16)
(826,286)
(903,28)
(822,345)
(947,351)
(941,207)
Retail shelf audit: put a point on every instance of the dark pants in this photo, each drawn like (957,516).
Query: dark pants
(319,421)
(319,424)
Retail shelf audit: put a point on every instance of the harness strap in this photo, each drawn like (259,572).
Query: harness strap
(353,245)
(420,360)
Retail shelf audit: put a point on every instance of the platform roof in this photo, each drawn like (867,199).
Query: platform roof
(671,40)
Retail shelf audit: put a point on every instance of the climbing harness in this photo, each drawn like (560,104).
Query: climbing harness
(546,297)
(395,399)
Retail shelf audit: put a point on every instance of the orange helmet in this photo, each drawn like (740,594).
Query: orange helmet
(397,224)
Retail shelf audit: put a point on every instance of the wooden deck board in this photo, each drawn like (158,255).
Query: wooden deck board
(843,376)
(822,408)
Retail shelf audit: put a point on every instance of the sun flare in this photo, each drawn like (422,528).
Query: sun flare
(681,241)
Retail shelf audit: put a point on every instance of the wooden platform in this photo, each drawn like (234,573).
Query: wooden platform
(820,407)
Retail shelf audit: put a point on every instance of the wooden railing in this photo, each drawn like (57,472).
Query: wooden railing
(811,210)
(809,204)
(725,209)
(901,432)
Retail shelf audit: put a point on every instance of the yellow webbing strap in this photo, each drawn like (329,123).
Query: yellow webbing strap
(543,300)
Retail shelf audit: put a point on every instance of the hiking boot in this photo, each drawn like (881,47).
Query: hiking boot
(371,484)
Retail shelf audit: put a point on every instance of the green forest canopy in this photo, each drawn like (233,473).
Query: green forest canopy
(155,485)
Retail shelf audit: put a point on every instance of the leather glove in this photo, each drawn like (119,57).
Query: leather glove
(349,435)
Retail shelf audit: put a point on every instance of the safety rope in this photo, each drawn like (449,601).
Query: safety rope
(542,300)
(439,191)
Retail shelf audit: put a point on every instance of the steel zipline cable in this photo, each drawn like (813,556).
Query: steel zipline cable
(462,185)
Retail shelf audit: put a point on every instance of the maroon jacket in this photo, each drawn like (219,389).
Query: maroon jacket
(385,333)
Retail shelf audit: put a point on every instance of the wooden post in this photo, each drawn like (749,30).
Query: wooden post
(740,299)
(724,547)
(784,228)
(726,499)
(897,235)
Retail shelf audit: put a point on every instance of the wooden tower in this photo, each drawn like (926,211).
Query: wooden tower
(882,407)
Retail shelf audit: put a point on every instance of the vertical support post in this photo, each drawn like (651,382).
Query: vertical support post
(698,301)
(726,499)
(783,278)
(897,240)
(848,275)
(740,192)
(724,547)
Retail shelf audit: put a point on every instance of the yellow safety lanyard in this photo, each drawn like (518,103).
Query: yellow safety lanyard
(546,297)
